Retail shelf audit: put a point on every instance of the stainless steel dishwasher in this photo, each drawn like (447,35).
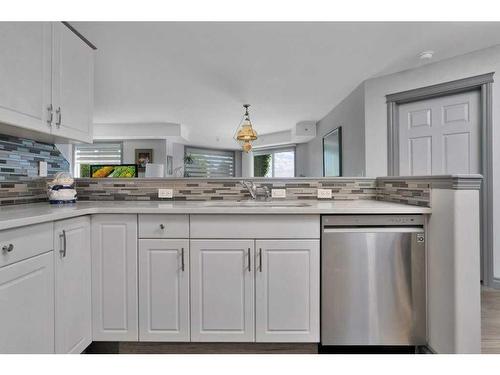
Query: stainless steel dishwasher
(373,280)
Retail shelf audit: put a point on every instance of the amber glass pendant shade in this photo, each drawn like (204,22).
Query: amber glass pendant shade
(246,134)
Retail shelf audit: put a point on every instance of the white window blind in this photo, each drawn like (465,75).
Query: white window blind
(209,163)
(97,153)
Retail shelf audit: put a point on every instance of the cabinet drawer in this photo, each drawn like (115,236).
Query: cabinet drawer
(163,226)
(255,226)
(26,242)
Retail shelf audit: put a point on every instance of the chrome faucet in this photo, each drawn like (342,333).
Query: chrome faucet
(254,189)
(251,188)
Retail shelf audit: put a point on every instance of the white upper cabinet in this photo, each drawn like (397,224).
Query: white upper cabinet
(46,81)
(222,290)
(72,85)
(25,74)
(287,290)
(163,290)
(114,277)
(73,319)
(27,305)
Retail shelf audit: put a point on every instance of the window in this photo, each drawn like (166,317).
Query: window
(97,153)
(202,162)
(279,162)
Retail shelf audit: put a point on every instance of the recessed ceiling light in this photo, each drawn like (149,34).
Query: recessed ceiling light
(426,55)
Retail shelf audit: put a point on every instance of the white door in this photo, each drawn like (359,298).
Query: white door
(73,285)
(27,306)
(25,74)
(163,290)
(73,80)
(222,290)
(287,290)
(440,135)
(114,277)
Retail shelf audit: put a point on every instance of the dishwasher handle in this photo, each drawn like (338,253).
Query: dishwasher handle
(374,230)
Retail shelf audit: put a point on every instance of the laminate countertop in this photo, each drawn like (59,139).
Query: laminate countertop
(27,214)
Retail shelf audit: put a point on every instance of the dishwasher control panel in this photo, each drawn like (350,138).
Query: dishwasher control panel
(372,220)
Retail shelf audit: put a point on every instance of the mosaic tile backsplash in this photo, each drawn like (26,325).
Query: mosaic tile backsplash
(407,192)
(19,192)
(19,159)
(219,189)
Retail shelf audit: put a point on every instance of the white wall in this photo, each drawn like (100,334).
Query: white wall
(350,115)
(247,164)
(472,64)
(178,158)
(66,150)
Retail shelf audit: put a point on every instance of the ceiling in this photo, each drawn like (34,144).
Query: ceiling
(198,74)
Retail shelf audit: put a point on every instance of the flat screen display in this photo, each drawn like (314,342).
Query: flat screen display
(113,171)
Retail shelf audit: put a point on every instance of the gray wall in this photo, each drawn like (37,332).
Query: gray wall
(350,115)
(159,147)
(301,160)
(468,65)
(363,117)
(471,64)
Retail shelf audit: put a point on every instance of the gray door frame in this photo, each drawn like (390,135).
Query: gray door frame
(482,83)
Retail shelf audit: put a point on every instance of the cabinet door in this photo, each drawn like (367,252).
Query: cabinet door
(72,90)
(73,285)
(114,277)
(27,306)
(222,290)
(163,290)
(25,74)
(287,290)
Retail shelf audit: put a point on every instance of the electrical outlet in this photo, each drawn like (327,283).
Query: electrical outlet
(165,193)
(324,193)
(42,169)
(278,193)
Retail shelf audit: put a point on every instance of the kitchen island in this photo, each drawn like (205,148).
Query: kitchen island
(214,270)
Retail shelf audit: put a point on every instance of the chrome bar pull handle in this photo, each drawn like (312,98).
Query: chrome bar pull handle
(260,259)
(63,249)
(49,114)
(182,260)
(249,261)
(59,116)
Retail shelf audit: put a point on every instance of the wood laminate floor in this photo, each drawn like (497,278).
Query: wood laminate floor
(490,321)
(199,348)
(490,338)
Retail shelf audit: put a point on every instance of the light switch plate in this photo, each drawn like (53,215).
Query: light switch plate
(278,193)
(165,193)
(42,169)
(324,193)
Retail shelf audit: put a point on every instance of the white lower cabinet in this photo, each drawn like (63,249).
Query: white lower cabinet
(287,290)
(222,290)
(27,305)
(73,310)
(164,290)
(91,278)
(114,277)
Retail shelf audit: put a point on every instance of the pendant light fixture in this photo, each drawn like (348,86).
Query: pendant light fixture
(245,134)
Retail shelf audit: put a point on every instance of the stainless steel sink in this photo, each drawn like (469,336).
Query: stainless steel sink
(248,203)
